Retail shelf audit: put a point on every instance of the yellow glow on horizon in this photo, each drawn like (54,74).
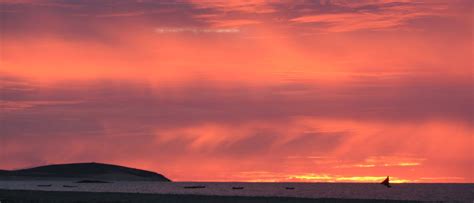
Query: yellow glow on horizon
(335,178)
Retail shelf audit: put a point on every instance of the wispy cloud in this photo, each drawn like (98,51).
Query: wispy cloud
(125,14)
(196,30)
(7,106)
(372,18)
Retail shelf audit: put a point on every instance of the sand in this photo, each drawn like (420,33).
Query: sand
(7,196)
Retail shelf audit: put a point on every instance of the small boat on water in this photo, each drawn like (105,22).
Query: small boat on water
(289,188)
(48,185)
(92,181)
(69,185)
(194,187)
(237,188)
(386,182)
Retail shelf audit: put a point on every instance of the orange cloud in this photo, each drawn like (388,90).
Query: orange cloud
(291,92)
(387,18)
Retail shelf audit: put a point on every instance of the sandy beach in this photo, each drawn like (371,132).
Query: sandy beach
(10,196)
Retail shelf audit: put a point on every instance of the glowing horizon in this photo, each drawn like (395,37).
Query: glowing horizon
(323,91)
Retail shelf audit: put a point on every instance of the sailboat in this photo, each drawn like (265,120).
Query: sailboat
(386,182)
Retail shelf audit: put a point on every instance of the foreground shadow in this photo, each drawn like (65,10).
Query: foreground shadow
(14,196)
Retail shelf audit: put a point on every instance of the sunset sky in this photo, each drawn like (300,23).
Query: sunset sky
(198,90)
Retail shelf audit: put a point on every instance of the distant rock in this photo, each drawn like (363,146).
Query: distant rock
(84,171)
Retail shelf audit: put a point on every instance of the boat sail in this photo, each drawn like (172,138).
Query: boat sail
(386,182)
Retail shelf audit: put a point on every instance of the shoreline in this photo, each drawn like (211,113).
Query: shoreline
(13,196)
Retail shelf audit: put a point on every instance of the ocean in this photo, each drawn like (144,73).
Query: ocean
(402,191)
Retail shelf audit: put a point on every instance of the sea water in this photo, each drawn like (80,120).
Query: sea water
(425,192)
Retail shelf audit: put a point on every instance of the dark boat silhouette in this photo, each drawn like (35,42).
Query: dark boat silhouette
(386,182)
(237,188)
(92,181)
(48,185)
(69,186)
(194,187)
(289,188)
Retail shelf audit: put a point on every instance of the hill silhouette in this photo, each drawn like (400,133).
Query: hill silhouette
(83,171)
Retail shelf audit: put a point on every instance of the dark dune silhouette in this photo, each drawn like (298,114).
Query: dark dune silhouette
(89,171)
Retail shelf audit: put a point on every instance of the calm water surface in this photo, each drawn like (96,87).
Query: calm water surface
(427,192)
